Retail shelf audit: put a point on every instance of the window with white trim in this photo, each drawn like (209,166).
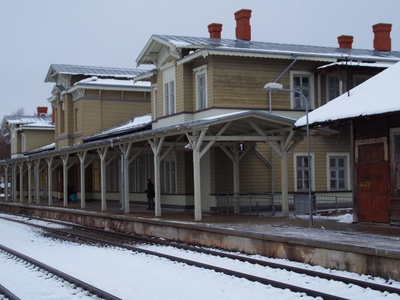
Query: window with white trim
(113,175)
(96,176)
(170,175)
(76,119)
(333,87)
(302,82)
(23,142)
(338,171)
(201,87)
(169,90)
(301,172)
(139,171)
(155,102)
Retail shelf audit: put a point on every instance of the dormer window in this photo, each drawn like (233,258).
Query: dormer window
(201,87)
(169,90)
(334,87)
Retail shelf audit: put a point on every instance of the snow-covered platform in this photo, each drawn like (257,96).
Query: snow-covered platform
(333,242)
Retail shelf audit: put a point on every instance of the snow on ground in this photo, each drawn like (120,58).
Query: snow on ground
(131,275)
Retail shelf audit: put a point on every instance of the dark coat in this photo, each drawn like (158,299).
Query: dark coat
(150,190)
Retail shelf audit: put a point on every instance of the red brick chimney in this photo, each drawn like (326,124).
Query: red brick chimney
(243,28)
(382,41)
(345,41)
(215,30)
(41,110)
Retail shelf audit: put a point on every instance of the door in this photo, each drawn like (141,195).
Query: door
(373,192)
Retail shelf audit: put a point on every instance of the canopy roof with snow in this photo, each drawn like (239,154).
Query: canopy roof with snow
(29,122)
(111,84)
(378,95)
(103,72)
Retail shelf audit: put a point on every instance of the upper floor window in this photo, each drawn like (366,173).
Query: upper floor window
(201,87)
(62,119)
(76,119)
(302,82)
(333,88)
(169,90)
(155,102)
(338,171)
(23,142)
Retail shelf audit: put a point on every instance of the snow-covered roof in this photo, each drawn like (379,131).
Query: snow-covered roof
(130,126)
(29,122)
(139,128)
(378,95)
(356,64)
(48,147)
(109,72)
(255,48)
(111,84)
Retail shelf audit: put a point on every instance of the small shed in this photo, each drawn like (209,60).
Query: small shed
(372,109)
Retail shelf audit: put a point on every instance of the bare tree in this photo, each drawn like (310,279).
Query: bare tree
(5,146)
(19,112)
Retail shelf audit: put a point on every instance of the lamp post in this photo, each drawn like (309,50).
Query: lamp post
(274,86)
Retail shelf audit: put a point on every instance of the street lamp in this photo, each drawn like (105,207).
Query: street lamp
(274,86)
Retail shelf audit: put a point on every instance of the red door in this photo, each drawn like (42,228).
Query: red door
(373,192)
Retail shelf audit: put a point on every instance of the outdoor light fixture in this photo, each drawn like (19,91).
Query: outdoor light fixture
(274,86)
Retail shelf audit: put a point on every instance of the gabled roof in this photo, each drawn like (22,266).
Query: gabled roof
(201,46)
(378,95)
(56,69)
(29,122)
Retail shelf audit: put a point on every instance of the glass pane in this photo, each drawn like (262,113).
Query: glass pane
(333,184)
(332,162)
(341,162)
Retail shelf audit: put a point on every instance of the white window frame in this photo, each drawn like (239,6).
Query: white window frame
(201,95)
(169,89)
(170,175)
(294,95)
(23,142)
(295,155)
(113,175)
(329,155)
(155,102)
(139,171)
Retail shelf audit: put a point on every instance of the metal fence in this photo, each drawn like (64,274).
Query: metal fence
(270,203)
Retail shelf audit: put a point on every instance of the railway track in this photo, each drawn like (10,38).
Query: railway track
(50,272)
(121,240)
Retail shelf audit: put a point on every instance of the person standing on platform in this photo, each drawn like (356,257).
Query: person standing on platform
(150,194)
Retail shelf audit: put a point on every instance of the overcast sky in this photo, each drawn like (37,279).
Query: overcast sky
(111,33)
